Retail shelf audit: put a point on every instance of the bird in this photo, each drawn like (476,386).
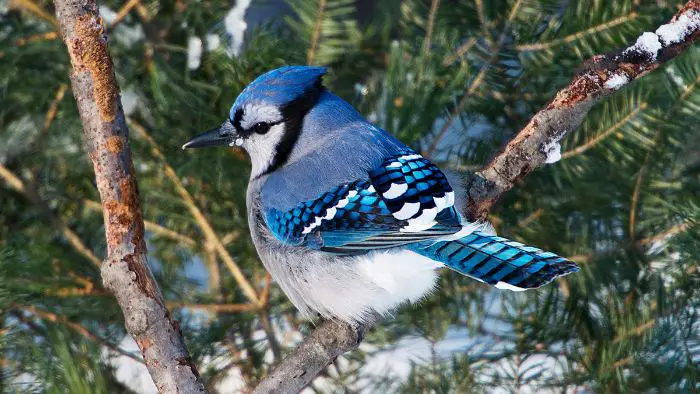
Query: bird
(350,222)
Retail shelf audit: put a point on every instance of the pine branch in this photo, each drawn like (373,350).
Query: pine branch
(218,308)
(600,137)
(153,227)
(125,272)
(14,182)
(579,35)
(519,158)
(55,318)
(202,221)
(316,35)
(600,78)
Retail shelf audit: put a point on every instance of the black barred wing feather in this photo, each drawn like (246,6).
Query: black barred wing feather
(405,200)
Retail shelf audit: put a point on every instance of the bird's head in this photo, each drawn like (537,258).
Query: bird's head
(266,118)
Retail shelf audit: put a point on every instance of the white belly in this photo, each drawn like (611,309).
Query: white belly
(356,289)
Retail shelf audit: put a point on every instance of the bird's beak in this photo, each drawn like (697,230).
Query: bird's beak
(222,135)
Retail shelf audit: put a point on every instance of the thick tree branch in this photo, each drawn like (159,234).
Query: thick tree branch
(602,76)
(328,341)
(125,272)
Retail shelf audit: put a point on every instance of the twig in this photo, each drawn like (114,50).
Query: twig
(637,331)
(427,42)
(230,237)
(595,140)
(464,48)
(526,151)
(202,222)
(35,9)
(579,35)
(155,228)
(123,12)
(531,218)
(316,35)
(476,83)
(48,36)
(125,271)
(55,318)
(30,194)
(218,308)
(668,233)
(635,196)
(482,19)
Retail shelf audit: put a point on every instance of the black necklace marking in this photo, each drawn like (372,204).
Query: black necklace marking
(293,116)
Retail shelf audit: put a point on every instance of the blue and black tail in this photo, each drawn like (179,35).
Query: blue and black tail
(499,262)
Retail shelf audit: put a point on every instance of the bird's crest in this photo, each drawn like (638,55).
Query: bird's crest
(281,86)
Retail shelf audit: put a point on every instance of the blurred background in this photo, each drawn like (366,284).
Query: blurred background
(453,79)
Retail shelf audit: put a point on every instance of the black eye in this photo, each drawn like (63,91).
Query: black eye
(262,127)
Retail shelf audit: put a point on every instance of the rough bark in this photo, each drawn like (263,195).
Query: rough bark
(522,155)
(328,341)
(125,272)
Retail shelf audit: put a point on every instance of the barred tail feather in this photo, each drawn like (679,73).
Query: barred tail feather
(499,262)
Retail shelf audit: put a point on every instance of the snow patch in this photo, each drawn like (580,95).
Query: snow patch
(194,53)
(553,151)
(130,101)
(108,15)
(213,42)
(677,31)
(617,81)
(647,44)
(236,25)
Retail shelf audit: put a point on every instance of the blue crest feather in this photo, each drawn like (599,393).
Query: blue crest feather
(280,86)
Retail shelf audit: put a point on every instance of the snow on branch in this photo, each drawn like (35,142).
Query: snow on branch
(538,142)
(125,272)
(535,145)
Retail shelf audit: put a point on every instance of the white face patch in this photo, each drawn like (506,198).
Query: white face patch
(262,148)
(256,113)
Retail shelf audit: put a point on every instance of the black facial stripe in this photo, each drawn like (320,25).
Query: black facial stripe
(293,115)
(236,121)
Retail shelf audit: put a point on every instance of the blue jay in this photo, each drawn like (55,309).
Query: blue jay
(349,221)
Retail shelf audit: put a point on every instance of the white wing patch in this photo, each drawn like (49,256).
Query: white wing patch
(508,286)
(395,190)
(409,209)
(423,222)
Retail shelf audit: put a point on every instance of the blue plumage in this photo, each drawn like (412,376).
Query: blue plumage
(279,86)
(493,259)
(366,214)
(348,220)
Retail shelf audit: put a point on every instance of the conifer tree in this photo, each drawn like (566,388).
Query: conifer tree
(456,80)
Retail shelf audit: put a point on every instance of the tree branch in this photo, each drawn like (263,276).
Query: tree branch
(602,76)
(328,341)
(125,272)
(522,155)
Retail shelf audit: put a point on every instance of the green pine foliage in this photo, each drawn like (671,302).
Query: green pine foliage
(454,79)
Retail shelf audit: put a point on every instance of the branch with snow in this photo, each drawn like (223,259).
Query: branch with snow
(535,145)
(125,272)
(538,142)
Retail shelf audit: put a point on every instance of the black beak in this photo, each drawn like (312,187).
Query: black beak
(222,135)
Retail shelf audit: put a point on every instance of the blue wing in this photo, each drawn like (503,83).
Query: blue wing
(407,199)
